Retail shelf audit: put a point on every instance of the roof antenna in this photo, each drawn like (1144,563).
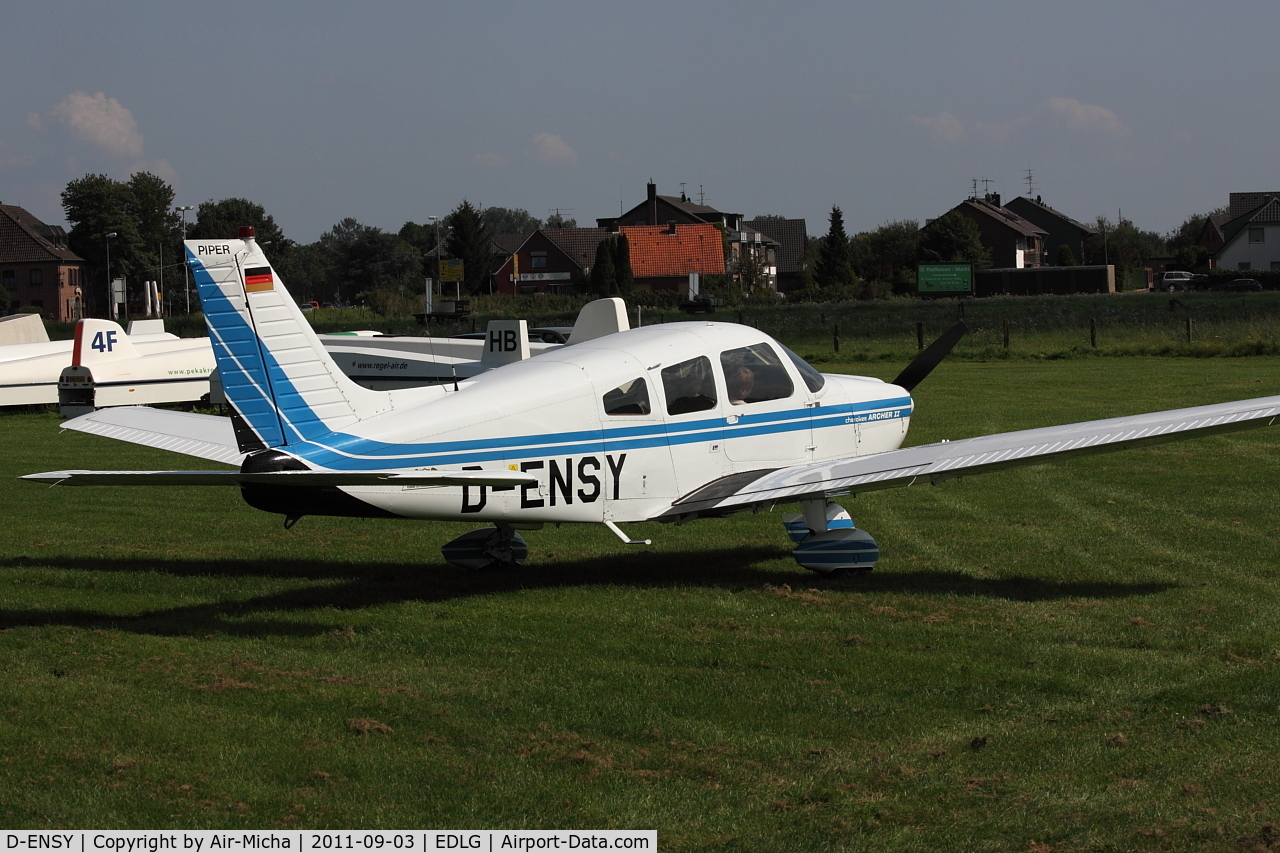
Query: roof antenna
(1031,184)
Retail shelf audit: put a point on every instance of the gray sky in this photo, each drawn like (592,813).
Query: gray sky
(395,111)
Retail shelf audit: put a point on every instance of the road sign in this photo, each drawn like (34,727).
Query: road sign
(451,270)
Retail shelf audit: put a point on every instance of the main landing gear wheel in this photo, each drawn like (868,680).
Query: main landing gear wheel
(487,548)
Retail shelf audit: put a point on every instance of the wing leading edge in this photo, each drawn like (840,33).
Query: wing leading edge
(936,463)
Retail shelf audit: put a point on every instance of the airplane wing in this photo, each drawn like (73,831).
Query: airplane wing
(312,479)
(936,463)
(203,436)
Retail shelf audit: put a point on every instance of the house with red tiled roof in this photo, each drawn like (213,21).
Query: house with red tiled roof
(36,267)
(682,210)
(662,256)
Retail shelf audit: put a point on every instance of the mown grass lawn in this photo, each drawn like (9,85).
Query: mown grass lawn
(1076,657)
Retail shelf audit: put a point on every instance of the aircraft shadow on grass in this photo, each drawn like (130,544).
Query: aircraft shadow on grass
(372,585)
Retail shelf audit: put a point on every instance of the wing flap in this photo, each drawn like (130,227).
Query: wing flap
(203,436)
(311,479)
(936,463)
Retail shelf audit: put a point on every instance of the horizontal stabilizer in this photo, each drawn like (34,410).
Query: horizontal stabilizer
(306,479)
(203,436)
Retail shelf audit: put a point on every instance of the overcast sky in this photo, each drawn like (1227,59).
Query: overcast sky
(390,112)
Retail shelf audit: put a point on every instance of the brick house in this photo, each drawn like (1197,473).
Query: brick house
(1060,229)
(1013,242)
(549,261)
(37,268)
(790,238)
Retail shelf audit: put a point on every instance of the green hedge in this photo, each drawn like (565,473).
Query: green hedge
(1269,279)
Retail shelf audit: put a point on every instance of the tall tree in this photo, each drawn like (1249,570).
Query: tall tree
(138,212)
(221,220)
(888,254)
(604,276)
(363,259)
(953,239)
(834,267)
(469,242)
(507,220)
(557,222)
(623,274)
(422,237)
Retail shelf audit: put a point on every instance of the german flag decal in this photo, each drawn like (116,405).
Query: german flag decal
(257,279)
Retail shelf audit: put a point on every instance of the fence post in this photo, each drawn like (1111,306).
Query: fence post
(919,335)
(1190,326)
(1005,323)
(1093,332)
(835,333)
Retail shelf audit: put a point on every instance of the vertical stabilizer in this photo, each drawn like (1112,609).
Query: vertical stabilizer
(98,341)
(275,373)
(599,318)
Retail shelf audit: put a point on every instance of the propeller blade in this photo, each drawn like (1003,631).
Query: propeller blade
(923,364)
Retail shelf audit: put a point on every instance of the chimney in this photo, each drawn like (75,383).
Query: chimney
(671,226)
(653,202)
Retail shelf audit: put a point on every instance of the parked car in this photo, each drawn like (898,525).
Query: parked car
(1240,284)
(1177,280)
(551,334)
(309,306)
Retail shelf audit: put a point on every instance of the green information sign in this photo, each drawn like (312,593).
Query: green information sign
(944,278)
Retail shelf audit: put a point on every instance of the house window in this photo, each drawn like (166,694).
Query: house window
(1275,265)
(1257,234)
(7,278)
(538,260)
(36,277)
(1244,265)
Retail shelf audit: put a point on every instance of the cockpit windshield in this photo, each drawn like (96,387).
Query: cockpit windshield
(812,378)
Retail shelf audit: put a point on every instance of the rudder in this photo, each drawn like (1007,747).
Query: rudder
(274,371)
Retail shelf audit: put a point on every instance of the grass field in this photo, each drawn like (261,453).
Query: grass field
(1073,657)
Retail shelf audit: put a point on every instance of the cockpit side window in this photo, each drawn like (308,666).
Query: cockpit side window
(755,374)
(689,386)
(812,378)
(629,398)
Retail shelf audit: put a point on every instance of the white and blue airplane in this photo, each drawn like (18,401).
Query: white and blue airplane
(665,423)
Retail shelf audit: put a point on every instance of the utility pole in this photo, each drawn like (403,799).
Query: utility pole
(186,277)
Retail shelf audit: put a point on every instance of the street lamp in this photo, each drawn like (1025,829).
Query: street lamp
(186,280)
(111,306)
(436,220)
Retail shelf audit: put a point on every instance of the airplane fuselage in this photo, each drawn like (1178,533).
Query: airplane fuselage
(608,430)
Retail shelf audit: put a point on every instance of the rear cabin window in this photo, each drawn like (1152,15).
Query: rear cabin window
(755,374)
(630,398)
(689,386)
